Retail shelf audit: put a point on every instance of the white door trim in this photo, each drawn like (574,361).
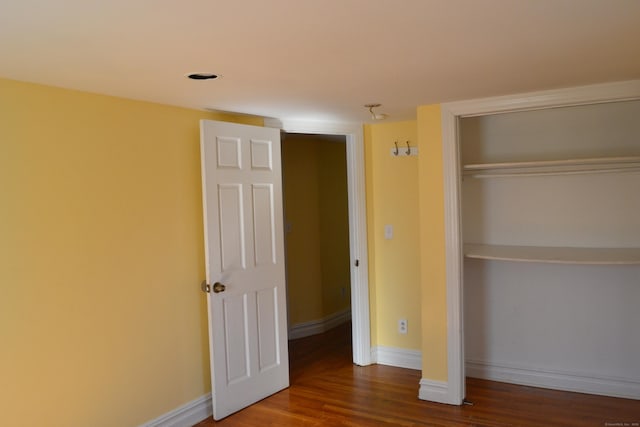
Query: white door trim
(357,224)
(451,112)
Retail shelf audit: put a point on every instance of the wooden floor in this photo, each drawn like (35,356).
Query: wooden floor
(328,390)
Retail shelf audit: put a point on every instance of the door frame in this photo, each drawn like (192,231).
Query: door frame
(360,320)
(451,113)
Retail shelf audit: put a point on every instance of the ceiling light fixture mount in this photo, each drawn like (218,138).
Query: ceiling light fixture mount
(374,115)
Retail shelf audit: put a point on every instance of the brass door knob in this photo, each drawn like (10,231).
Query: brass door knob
(217,287)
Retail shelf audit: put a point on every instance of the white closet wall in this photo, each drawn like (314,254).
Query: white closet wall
(552,315)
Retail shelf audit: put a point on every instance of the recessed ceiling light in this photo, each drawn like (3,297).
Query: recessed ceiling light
(202,76)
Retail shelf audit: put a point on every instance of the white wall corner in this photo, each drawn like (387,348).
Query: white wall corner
(186,415)
(398,357)
(436,391)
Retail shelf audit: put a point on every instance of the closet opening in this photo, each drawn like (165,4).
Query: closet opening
(543,239)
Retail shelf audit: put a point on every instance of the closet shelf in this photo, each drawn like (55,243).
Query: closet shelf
(556,255)
(553,167)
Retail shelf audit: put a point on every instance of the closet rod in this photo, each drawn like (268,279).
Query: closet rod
(551,173)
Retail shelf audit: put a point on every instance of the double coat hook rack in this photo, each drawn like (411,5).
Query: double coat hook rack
(403,150)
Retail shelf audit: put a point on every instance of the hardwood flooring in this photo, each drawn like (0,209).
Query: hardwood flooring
(328,390)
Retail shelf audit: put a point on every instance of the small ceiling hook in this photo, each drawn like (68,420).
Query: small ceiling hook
(408,149)
(396,152)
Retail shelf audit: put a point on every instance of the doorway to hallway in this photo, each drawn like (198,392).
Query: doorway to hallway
(316,208)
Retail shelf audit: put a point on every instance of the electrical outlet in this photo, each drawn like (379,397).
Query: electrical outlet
(402,326)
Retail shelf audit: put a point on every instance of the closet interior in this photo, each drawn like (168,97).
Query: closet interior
(551,230)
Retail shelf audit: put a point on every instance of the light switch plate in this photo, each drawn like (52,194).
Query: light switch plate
(388,231)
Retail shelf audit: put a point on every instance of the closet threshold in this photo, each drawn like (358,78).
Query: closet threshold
(555,255)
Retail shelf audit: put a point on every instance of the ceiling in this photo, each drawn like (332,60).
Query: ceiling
(318,60)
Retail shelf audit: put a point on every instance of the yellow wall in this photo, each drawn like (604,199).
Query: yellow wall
(102,322)
(304,268)
(334,227)
(394,269)
(432,244)
(101,319)
(316,211)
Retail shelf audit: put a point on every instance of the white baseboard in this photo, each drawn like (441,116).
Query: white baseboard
(186,415)
(313,327)
(436,391)
(568,381)
(400,357)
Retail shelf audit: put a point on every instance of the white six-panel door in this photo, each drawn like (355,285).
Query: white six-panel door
(244,245)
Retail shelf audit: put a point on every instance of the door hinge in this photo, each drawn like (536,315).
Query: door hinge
(357,263)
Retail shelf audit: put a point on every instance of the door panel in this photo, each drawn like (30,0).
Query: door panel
(232,242)
(264,225)
(229,152)
(244,239)
(269,356)
(261,154)
(236,337)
